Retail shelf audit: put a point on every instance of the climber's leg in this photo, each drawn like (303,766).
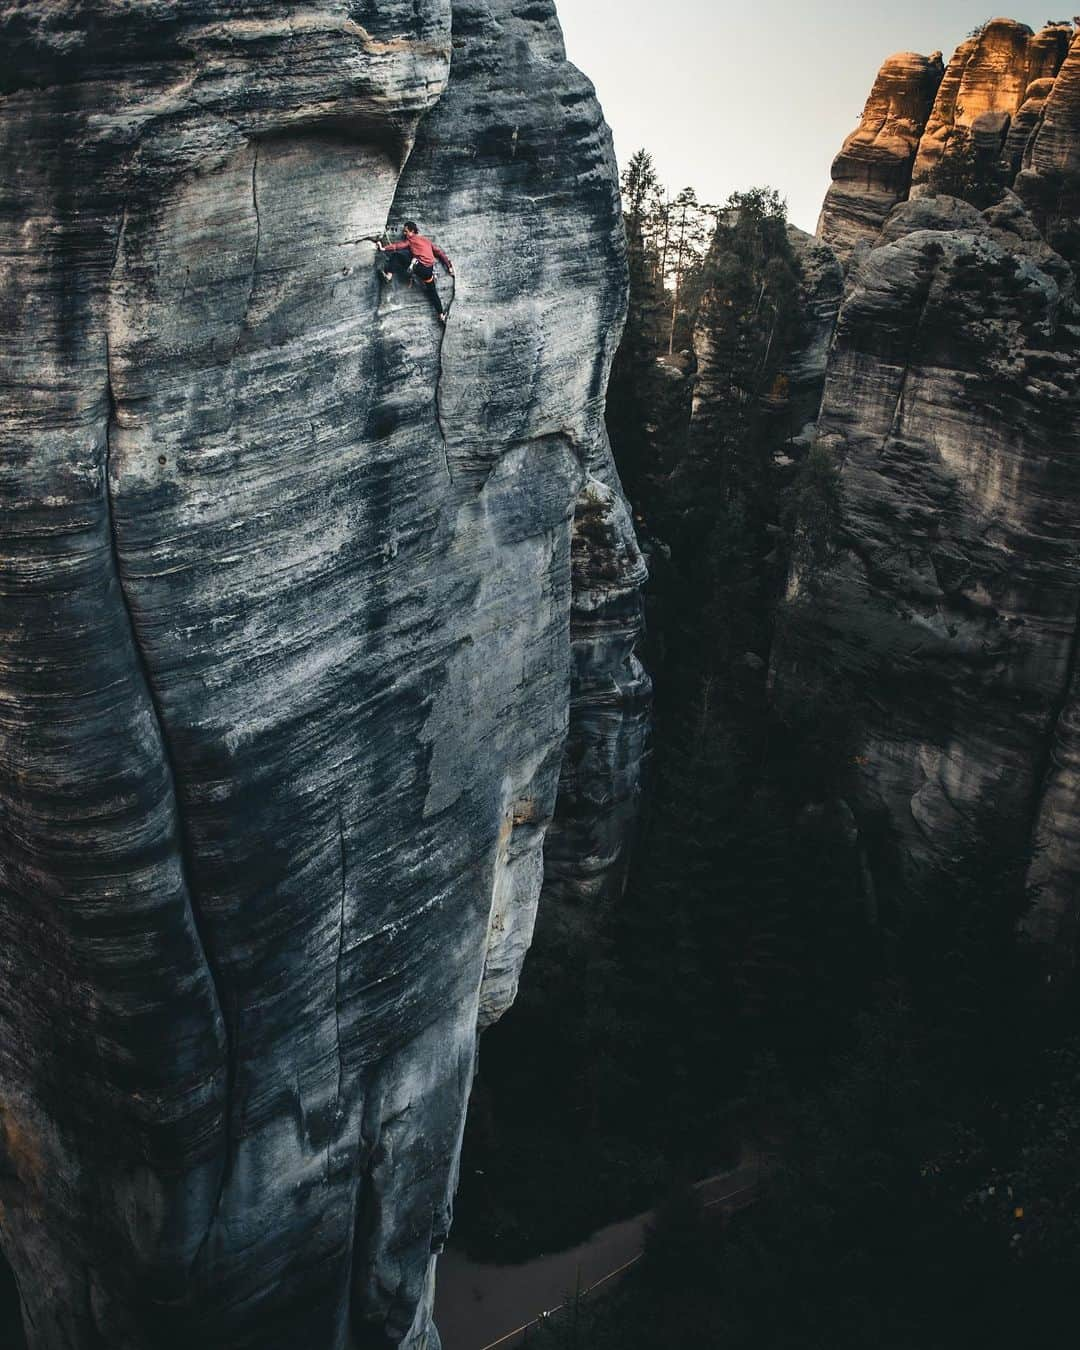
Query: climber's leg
(426,277)
(396,263)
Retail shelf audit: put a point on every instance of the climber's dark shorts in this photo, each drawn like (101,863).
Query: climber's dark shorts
(402,263)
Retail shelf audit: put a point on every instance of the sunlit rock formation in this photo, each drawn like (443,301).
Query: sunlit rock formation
(294,603)
(994,90)
(872,172)
(951,592)
(988,81)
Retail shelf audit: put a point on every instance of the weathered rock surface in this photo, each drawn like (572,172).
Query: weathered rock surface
(952,592)
(1021,127)
(872,172)
(587,849)
(989,74)
(1055,143)
(287,642)
(820,290)
(1001,89)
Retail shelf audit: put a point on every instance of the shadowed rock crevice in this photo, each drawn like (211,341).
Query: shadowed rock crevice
(221,1029)
(258,239)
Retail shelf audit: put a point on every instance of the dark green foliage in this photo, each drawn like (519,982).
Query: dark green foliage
(812,513)
(927,1195)
(689,227)
(748,319)
(968,173)
(744,908)
(633,389)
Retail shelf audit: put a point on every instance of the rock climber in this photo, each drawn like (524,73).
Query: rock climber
(415,256)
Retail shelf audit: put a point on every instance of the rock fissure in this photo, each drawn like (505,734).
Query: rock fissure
(256,246)
(230,1032)
(438,395)
(343,864)
(895,421)
(183,848)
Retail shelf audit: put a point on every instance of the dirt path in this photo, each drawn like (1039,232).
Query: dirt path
(478,1306)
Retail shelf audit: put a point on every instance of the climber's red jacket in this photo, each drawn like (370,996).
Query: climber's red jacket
(423,250)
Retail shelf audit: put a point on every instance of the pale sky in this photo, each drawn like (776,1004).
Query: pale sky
(732,94)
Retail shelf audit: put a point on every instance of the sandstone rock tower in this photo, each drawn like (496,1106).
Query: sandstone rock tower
(286,653)
(950,406)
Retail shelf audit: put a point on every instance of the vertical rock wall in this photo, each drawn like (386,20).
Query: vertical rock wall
(952,591)
(588,845)
(286,655)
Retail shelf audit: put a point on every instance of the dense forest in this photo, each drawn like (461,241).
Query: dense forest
(892,1055)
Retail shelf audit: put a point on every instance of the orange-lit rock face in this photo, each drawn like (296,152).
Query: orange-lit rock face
(1027,118)
(1056,145)
(949,407)
(873,169)
(1015,93)
(991,73)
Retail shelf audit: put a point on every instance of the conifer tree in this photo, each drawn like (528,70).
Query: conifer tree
(631,391)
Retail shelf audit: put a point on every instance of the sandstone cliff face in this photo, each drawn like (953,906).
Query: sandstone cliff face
(820,292)
(994,89)
(988,81)
(953,586)
(287,649)
(1055,142)
(587,849)
(873,170)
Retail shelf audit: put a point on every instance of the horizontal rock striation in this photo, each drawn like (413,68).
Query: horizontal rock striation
(1022,126)
(950,588)
(1054,145)
(873,170)
(287,656)
(1005,90)
(990,75)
